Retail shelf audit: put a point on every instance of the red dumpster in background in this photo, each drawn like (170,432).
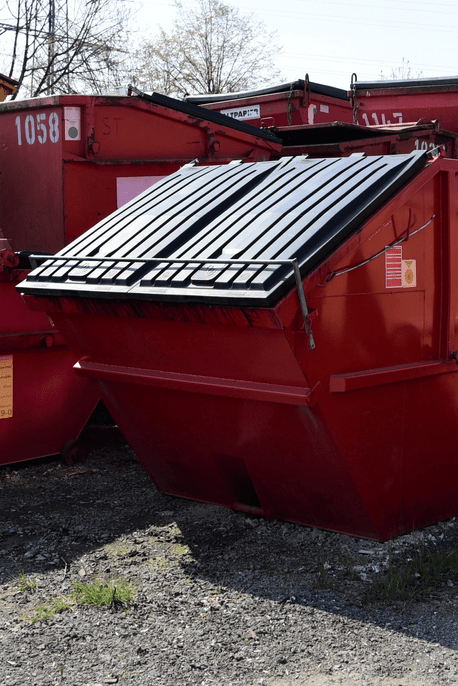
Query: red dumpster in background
(394,102)
(337,139)
(285,341)
(66,162)
(43,405)
(289,104)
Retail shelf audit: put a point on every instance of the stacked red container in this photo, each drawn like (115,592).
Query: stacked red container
(289,104)
(394,102)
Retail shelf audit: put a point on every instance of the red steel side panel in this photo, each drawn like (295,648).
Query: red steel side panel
(390,144)
(31,191)
(101,186)
(397,438)
(132,130)
(43,404)
(380,106)
(286,109)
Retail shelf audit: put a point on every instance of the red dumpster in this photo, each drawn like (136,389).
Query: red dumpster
(394,102)
(279,337)
(336,139)
(289,104)
(43,405)
(66,162)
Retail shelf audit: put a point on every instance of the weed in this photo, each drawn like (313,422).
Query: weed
(188,579)
(218,590)
(103,593)
(322,580)
(43,612)
(424,573)
(117,548)
(24,584)
(179,549)
(97,593)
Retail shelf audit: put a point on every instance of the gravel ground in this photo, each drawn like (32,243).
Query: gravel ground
(219,597)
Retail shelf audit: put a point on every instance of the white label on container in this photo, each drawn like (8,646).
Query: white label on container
(253,112)
(393,268)
(128,187)
(6,386)
(324,108)
(72,118)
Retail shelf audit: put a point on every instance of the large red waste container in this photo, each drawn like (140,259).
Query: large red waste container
(279,337)
(395,102)
(289,104)
(66,162)
(43,404)
(336,139)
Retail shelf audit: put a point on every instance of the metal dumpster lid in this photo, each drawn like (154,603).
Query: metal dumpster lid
(320,88)
(406,83)
(226,234)
(203,113)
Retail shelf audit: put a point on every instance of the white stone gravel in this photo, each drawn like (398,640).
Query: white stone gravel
(220,598)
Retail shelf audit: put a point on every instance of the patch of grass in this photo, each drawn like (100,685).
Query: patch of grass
(117,548)
(428,570)
(24,584)
(99,592)
(43,612)
(95,593)
(179,549)
(322,579)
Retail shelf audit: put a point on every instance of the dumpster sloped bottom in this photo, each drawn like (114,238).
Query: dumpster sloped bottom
(340,411)
(241,458)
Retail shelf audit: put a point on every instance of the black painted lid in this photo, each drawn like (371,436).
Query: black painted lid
(319,88)
(204,114)
(407,83)
(260,213)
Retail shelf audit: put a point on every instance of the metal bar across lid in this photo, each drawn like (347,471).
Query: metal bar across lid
(293,263)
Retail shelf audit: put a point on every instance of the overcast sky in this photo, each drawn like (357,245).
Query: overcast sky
(330,39)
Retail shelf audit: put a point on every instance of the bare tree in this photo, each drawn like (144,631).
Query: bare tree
(404,71)
(64,46)
(211,49)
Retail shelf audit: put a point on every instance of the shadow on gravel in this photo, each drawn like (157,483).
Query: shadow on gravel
(105,515)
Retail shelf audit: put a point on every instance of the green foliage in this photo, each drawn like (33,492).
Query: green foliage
(179,549)
(24,584)
(95,593)
(322,579)
(43,612)
(424,573)
(99,593)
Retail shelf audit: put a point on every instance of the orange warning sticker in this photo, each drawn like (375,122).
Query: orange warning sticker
(6,386)
(409,273)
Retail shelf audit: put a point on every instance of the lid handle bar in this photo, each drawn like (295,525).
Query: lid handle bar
(293,263)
